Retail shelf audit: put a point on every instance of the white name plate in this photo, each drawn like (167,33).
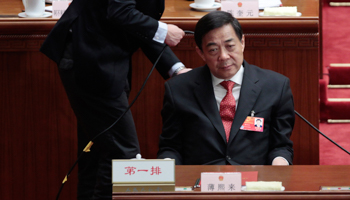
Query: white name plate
(241,8)
(221,181)
(59,7)
(142,171)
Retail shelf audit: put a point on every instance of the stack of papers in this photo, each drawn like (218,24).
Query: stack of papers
(269,3)
(264,186)
(281,11)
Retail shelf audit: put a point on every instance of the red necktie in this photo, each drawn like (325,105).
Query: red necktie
(227,107)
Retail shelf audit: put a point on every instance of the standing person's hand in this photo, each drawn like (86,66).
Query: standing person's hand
(174,35)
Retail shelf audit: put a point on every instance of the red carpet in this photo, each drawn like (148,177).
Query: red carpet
(336,31)
(336,48)
(329,153)
(339,93)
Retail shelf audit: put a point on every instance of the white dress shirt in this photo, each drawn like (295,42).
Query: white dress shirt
(220,91)
(160,37)
(161,32)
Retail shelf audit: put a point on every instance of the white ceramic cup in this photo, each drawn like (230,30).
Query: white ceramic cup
(34,8)
(204,3)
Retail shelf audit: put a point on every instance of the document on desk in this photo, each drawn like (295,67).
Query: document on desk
(269,3)
(249,176)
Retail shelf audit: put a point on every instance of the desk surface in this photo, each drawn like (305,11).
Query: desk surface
(300,182)
(293,178)
(179,9)
(178,12)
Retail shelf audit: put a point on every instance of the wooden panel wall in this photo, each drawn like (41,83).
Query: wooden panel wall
(38,139)
(38,130)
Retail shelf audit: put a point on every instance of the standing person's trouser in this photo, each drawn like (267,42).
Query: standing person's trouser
(94,114)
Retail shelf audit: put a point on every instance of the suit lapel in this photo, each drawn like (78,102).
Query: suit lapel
(248,96)
(205,96)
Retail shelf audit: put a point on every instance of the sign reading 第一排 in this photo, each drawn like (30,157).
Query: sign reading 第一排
(144,175)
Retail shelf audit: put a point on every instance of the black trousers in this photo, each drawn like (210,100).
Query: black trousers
(94,114)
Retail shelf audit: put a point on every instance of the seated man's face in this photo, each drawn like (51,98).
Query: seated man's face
(222,51)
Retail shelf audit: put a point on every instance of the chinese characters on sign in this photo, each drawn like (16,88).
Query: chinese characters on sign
(153,171)
(221,181)
(241,13)
(59,7)
(221,187)
(241,8)
(143,175)
(143,171)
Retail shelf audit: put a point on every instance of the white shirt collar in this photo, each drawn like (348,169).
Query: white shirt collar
(237,78)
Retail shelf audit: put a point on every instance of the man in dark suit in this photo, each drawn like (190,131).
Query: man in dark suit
(92,44)
(193,127)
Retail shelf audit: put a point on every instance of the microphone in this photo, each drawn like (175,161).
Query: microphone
(312,126)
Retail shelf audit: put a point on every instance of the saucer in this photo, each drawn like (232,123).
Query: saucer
(215,6)
(262,15)
(23,14)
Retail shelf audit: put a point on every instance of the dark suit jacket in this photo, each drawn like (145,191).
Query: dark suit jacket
(104,35)
(193,132)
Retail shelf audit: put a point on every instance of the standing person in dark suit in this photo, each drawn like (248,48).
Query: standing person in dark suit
(92,44)
(205,123)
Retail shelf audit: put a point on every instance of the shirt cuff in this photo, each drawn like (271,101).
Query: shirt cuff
(282,158)
(161,32)
(175,67)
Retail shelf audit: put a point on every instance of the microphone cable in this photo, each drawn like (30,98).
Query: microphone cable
(312,126)
(88,146)
(189,32)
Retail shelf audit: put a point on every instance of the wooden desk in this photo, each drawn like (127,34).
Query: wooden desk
(38,127)
(300,182)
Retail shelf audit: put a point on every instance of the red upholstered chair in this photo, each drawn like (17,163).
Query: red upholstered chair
(331,109)
(339,73)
